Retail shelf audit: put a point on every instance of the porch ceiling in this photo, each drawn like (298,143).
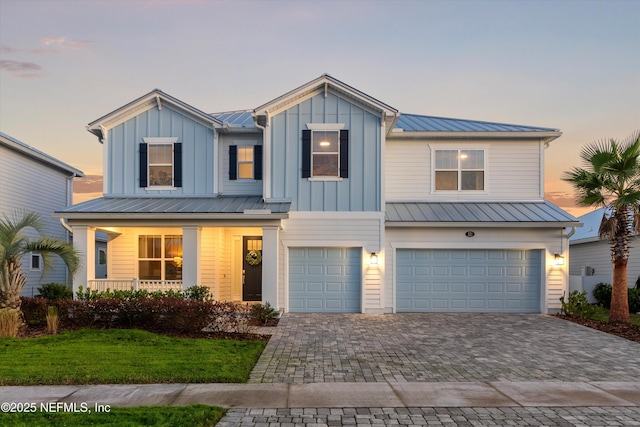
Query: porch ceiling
(229,207)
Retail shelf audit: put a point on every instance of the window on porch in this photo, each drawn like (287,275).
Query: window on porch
(160,257)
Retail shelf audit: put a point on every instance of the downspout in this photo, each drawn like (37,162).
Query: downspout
(266,157)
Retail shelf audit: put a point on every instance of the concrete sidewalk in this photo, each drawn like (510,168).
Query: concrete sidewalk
(341,395)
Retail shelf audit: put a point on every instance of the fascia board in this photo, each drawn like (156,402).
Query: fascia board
(434,224)
(101,216)
(541,135)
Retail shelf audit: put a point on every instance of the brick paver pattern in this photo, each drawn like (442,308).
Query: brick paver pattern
(307,348)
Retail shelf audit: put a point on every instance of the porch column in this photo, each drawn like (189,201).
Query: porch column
(270,238)
(191,272)
(84,241)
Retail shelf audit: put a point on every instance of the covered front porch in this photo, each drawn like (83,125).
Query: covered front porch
(234,254)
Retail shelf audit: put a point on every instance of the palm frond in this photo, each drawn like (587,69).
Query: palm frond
(48,246)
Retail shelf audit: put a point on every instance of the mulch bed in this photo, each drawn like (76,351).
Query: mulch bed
(624,330)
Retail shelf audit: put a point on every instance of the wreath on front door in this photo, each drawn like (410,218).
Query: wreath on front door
(254,257)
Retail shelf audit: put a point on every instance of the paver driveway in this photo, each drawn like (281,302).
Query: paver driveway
(442,347)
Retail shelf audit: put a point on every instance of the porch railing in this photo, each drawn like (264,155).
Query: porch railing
(101,285)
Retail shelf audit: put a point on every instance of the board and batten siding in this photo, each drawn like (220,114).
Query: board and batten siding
(27,185)
(512,170)
(123,152)
(361,191)
(337,230)
(555,279)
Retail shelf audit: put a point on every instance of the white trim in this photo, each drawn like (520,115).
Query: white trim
(325,126)
(336,215)
(433,148)
(325,178)
(40,261)
(160,140)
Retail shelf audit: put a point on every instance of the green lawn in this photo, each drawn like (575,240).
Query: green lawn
(159,416)
(602,314)
(124,356)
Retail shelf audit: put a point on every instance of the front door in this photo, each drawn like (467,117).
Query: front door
(252,268)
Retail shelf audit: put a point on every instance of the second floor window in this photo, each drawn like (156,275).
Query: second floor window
(245,162)
(325,157)
(459,170)
(160,165)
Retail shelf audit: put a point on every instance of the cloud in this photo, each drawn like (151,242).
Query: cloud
(23,70)
(7,49)
(60,44)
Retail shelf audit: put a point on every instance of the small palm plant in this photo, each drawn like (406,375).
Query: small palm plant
(611,179)
(13,246)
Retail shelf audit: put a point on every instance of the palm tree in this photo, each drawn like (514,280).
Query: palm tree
(611,178)
(14,245)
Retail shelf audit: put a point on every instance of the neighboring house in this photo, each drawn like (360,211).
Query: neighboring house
(32,181)
(326,199)
(591,256)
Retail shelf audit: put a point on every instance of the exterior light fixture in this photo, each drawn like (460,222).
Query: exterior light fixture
(558,259)
(373,259)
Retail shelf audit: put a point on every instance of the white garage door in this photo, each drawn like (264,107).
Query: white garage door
(468,280)
(324,280)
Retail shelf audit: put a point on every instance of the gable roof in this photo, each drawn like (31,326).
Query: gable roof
(589,231)
(40,156)
(326,82)
(414,125)
(153,98)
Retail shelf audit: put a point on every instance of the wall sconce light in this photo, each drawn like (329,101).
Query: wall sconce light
(558,259)
(373,259)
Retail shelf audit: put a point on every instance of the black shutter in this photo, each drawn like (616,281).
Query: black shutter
(233,162)
(344,153)
(177,164)
(143,165)
(257,162)
(306,153)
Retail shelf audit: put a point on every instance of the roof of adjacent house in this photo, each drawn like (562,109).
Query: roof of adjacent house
(38,155)
(480,213)
(589,231)
(232,207)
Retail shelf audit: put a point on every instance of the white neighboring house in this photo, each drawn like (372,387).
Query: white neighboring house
(590,257)
(33,181)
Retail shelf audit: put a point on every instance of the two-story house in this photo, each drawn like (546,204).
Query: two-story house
(326,199)
(33,181)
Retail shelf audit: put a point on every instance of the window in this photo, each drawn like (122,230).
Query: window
(325,152)
(160,163)
(160,257)
(245,162)
(35,262)
(459,170)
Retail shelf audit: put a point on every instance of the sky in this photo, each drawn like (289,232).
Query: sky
(570,65)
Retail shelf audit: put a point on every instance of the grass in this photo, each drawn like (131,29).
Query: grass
(124,356)
(159,416)
(602,314)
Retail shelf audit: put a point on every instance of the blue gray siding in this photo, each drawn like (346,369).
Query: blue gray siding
(197,153)
(361,191)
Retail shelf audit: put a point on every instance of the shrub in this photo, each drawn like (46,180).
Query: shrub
(634,300)
(577,305)
(261,314)
(55,291)
(602,294)
(199,293)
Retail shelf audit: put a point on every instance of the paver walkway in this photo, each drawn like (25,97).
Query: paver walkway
(309,348)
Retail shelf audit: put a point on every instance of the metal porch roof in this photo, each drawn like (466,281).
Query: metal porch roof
(417,123)
(177,205)
(438,213)
(236,119)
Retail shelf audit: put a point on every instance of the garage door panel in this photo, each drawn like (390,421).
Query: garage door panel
(468,280)
(330,281)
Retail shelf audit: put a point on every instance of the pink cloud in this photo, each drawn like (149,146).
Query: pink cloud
(62,43)
(23,70)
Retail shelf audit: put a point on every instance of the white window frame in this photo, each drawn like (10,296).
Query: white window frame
(245,162)
(163,256)
(33,256)
(435,148)
(155,141)
(325,127)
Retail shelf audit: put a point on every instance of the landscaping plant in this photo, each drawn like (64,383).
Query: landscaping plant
(611,179)
(53,320)
(577,305)
(55,291)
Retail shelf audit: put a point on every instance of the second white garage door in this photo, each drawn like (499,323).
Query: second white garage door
(429,280)
(324,280)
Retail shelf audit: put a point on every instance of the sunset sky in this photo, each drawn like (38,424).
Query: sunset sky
(571,65)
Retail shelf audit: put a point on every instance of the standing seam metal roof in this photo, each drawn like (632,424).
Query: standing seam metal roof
(417,123)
